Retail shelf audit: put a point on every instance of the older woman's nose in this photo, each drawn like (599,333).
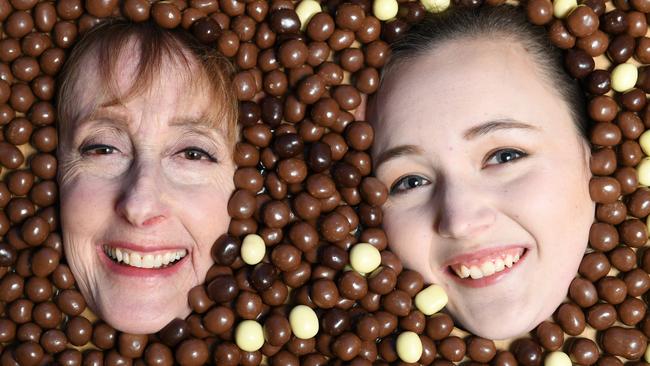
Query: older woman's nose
(141,202)
(462,211)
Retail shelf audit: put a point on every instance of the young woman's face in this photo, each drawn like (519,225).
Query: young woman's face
(144,192)
(488,179)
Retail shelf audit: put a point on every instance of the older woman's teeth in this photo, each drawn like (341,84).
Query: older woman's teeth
(485,269)
(135,259)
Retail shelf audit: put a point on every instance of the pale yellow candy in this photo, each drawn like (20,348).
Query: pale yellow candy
(385,9)
(646,356)
(624,77)
(562,8)
(306,10)
(253,249)
(249,336)
(436,6)
(431,300)
(364,258)
(557,358)
(409,347)
(303,321)
(643,172)
(644,141)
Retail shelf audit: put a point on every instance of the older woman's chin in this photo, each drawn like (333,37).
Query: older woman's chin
(145,319)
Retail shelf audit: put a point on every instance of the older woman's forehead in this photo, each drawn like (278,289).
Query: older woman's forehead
(190,88)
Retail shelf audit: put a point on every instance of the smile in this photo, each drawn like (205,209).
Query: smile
(479,266)
(144,260)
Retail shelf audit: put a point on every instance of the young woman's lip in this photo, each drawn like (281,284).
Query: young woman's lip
(478,255)
(485,281)
(126,270)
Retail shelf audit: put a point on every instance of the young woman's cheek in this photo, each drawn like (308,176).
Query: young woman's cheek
(410,233)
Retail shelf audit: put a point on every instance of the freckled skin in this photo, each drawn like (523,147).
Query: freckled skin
(468,197)
(152,189)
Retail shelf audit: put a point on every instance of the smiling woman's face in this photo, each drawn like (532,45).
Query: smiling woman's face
(144,190)
(489,177)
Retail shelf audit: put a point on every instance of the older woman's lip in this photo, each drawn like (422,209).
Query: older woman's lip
(128,270)
(144,248)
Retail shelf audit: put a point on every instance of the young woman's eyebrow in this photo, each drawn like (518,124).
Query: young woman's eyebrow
(496,125)
(397,151)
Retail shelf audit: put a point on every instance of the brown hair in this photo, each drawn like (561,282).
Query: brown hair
(107,41)
(502,22)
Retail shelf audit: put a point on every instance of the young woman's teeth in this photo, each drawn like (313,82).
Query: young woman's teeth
(485,269)
(139,260)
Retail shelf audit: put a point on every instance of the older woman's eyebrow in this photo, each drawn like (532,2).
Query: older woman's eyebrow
(103,114)
(397,151)
(495,125)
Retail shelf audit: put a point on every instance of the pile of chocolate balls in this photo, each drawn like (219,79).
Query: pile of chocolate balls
(304,276)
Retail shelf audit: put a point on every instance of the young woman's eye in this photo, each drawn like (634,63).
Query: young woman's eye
(195,153)
(504,156)
(407,183)
(99,149)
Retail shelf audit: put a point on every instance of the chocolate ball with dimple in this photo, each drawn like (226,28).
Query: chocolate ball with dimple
(622,258)
(603,236)
(527,352)
(583,292)
(604,189)
(583,351)
(611,289)
(631,311)
(624,342)
(550,335)
(603,161)
(452,348)
(633,232)
(571,318)
(637,282)
(621,48)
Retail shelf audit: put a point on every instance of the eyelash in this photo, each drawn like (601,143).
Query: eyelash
(421,181)
(493,154)
(93,149)
(210,157)
(88,150)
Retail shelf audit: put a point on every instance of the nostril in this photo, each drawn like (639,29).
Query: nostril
(153,220)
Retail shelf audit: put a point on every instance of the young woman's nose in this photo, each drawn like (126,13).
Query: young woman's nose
(142,200)
(462,211)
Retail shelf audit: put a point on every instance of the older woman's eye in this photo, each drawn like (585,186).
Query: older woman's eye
(407,183)
(195,153)
(99,149)
(504,156)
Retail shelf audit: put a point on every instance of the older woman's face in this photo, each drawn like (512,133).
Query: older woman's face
(144,188)
(489,182)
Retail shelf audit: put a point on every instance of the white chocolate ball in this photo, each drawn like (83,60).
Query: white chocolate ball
(253,249)
(557,358)
(364,258)
(562,8)
(644,141)
(624,77)
(306,9)
(385,9)
(643,172)
(249,336)
(431,299)
(303,321)
(409,347)
(436,6)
